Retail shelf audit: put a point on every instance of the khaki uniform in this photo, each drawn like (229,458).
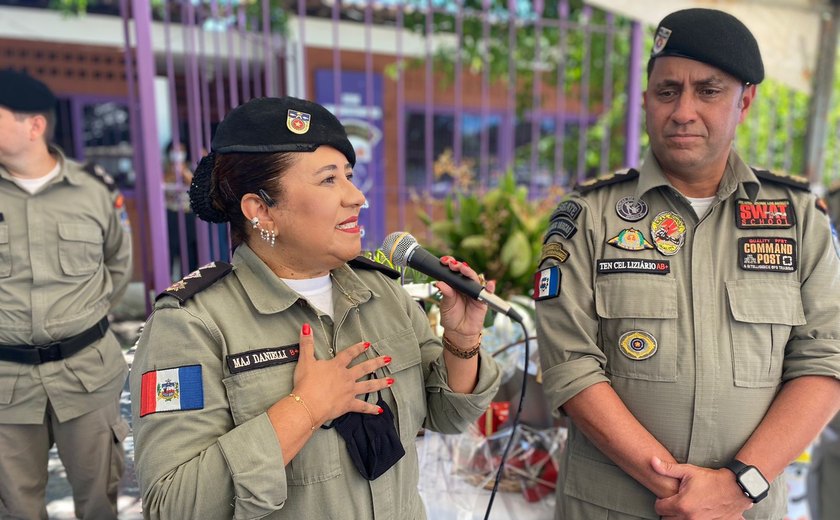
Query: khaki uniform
(65,257)
(730,326)
(825,470)
(223,460)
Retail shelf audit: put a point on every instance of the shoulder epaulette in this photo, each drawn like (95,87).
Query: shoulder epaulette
(834,187)
(197,281)
(796,181)
(99,173)
(605,180)
(361,262)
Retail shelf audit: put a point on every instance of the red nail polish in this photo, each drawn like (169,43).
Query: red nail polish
(387,359)
(306,329)
(390,381)
(380,410)
(367,345)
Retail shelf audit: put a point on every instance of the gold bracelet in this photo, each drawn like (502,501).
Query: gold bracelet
(463,354)
(298,399)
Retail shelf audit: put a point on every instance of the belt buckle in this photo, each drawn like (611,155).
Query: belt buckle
(51,352)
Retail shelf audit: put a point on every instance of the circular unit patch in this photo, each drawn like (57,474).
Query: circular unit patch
(637,344)
(631,209)
(668,232)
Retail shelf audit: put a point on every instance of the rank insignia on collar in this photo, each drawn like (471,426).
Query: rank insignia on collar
(298,122)
(637,344)
(567,208)
(774,254)
(630,239)
(547,283)
(764,214)
(553,250)
(668,232)
(631,209)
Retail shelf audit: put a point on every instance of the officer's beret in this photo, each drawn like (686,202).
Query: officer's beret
(710,36)
(20,92)
(284,124)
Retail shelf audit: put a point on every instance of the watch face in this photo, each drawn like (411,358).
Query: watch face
(753,482)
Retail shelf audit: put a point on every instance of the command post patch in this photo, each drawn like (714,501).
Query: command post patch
(265,357)
(764,214)
(633,265)
(547,283)
(171,390)
(775,254)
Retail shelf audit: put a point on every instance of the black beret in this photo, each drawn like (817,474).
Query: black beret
(20,92)
(712,37)
(284,124)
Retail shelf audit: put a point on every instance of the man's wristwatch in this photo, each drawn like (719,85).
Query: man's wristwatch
(752,482)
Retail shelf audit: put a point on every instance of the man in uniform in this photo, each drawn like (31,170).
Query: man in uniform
(687,312)
(65,257)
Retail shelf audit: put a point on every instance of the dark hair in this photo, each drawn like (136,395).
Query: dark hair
(221,180)
(48,115)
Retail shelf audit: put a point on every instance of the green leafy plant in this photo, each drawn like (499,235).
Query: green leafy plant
(498,232)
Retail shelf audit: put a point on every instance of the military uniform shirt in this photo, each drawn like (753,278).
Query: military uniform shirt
(728,329)
(224,461)
(65,257)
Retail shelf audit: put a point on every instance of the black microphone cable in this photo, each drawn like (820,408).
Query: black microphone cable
(515,422)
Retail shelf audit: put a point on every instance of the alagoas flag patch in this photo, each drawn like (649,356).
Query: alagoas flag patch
(547,283)
(171,390)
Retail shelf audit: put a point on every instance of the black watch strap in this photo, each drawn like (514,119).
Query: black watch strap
(736,466)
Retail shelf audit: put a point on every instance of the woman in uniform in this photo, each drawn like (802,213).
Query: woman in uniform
(292,383)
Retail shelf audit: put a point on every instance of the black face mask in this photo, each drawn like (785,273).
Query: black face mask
(372,440)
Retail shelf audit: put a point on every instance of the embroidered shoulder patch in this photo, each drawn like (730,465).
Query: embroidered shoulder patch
(361,262)
(606,180)
(197,281)
(796,181)
(171,390)
(547,283)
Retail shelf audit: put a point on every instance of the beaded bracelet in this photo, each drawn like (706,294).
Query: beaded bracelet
(463,354)
(298,399)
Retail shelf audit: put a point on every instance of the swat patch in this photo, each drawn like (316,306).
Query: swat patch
(764,214)
(606,180)
(567,208)
(362,262)
(563,227)
(197,281)
(266,357)
(775,254)
(632,265)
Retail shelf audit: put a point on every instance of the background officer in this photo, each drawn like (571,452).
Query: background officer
(65,258)
(687,312)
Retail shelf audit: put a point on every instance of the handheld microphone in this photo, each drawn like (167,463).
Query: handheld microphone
(402,249)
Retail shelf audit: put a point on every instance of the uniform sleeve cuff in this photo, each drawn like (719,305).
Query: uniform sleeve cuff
(562,382)
(253,454)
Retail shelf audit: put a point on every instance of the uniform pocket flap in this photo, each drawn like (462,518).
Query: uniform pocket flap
(9,373)
(79,232)
(755,301)
(395,346)
(635,296)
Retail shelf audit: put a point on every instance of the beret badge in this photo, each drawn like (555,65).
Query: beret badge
(661,40)
(298,122)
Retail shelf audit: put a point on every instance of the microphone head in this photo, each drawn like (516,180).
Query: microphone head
(396,247)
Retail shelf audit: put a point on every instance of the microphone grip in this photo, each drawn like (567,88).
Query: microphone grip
(430,265)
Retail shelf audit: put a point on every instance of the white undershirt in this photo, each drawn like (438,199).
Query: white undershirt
(317,291)
(701,206)
(33,185)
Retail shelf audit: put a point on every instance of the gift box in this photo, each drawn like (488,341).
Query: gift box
(493,417)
